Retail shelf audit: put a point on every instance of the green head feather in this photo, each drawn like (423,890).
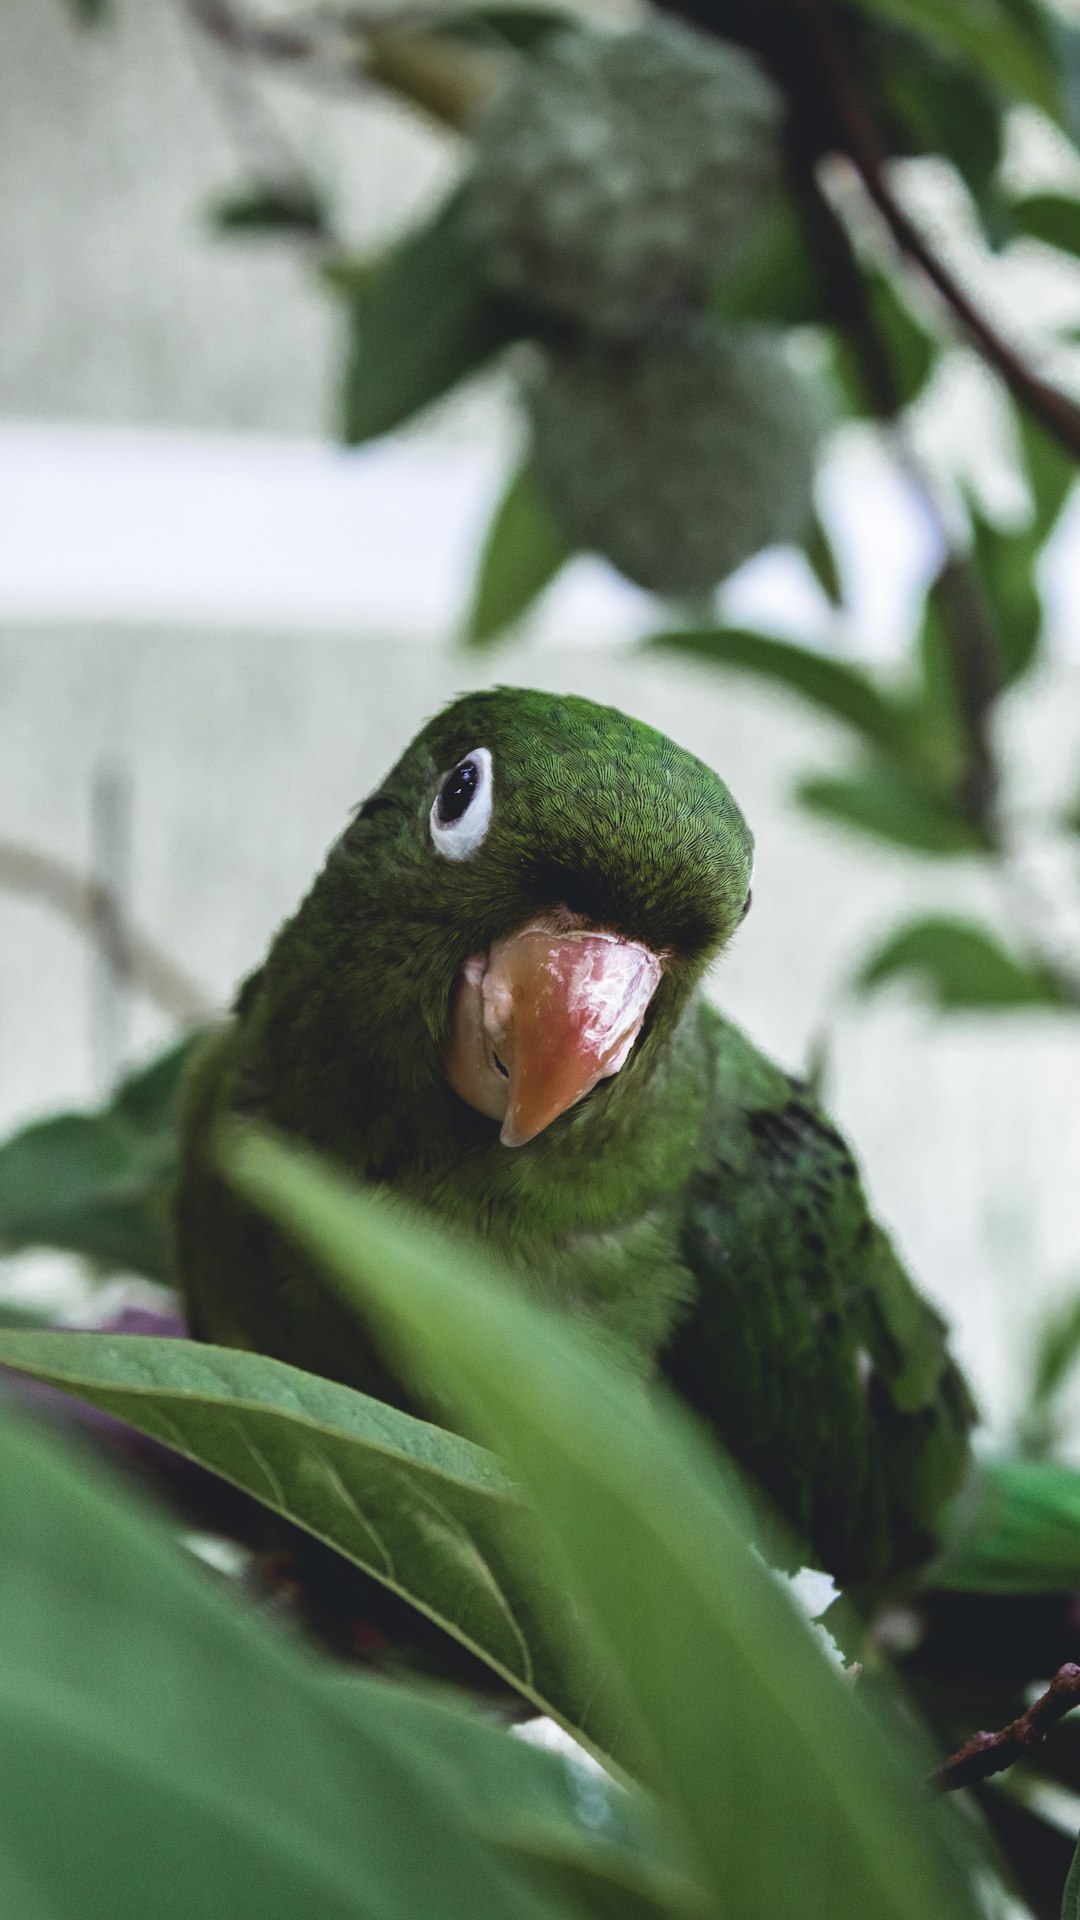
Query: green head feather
(590,810)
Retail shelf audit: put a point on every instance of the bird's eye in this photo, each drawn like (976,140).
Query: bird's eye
(461,810)
(746,904)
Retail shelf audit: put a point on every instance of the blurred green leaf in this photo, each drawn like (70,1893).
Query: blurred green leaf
(1006,564)
(995,39)
(882,802)
(958,965)
(523,552)
(821,554)
(99,1184)
(936,710)
(790,1800)
(522,27)
(1053,218)
(427,1514)
(779,281)
(844,692)
(910,349)
(89,13)
(1051,472)
(1057,1350)
(1014,1529)
(942,107)
(161,1753)
(421,324)
(1064,39)
(269,211)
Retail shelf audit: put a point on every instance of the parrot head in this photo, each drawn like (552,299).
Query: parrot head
(537,883)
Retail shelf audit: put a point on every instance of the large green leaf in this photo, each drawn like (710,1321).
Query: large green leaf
(882,802)
(524,550)
(421,323)
(790,1800)
(957,964)
(426,1513)
(607,1845)
(161,1753)
(995,39)
(99,1184)
(844,692)
(1016,1529)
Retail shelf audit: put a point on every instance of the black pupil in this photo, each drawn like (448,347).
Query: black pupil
(456,792)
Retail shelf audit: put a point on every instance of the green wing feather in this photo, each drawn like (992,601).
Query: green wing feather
(807,1346)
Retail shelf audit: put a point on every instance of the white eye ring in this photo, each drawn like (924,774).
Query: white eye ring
(459,839)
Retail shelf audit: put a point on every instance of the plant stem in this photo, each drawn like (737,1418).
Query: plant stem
(988,1753)
(91,909)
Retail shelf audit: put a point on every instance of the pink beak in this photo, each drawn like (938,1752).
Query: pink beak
(543,1016)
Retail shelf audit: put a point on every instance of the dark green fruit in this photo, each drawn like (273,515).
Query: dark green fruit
(617,176)
(677,457)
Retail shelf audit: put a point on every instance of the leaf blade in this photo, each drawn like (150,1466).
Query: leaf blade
(524,550)
(697,1632)
(417,326)
(959,965)
(834,687)
(426,1513)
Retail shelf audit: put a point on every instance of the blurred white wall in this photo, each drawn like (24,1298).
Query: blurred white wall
(249,624)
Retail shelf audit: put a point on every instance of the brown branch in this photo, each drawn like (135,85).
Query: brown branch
(858,139)
(976,652)
(92,910)
(380,45)
(988,1753)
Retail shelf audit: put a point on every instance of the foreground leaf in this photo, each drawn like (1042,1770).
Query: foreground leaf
(423,1511)
(607,1845)
(421,323)
(957,965)
(162,1754)
(99,1184)
(524,550)
(790,1801)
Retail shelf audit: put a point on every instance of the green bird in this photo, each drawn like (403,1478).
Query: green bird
(491,1002)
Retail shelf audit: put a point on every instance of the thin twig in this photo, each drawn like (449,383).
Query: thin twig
(91,908)
(257,133)
(988,1753)
(858,139)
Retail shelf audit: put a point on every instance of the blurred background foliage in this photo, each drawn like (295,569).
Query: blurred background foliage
(687,238)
